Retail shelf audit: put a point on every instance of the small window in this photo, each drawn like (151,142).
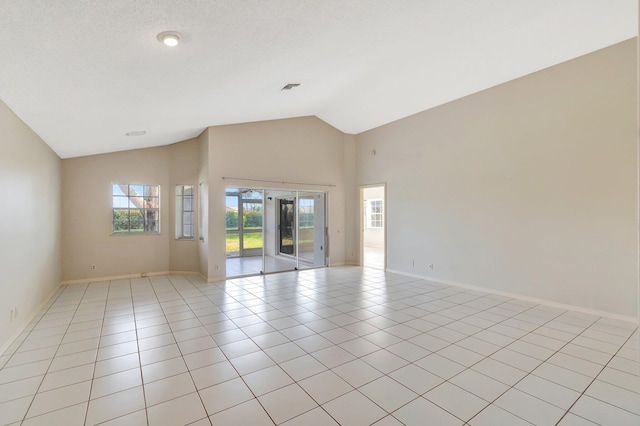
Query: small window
(375,214)
(306,213)
(184,211)
(136,209)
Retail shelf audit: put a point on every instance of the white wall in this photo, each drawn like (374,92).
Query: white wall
(528,187)
(296,151)
(29,223)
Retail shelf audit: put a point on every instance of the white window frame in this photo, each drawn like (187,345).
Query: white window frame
(135,202)
(185,212)
(375,218)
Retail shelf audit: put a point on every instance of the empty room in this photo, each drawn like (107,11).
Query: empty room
(291,212)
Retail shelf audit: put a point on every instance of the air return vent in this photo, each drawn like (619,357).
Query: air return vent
(290,86)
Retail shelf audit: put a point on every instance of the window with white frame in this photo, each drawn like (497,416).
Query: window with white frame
(375,214)
(136,209)
(184,211)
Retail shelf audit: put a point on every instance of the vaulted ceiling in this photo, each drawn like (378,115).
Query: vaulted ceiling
(83,73)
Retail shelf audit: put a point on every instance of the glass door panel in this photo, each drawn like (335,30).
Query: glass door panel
(311,230)
(287,224)
(251,228)
(244,225)
(279,230)
(233,232)
(306,227)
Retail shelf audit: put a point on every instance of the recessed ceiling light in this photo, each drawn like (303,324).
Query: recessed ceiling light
(137,133)
(170,38)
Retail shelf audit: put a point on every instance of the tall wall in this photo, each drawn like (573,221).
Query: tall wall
(352,200)
(29,223)
(87,221)
(528,187)
(203,202)
(183,170)
(296,151)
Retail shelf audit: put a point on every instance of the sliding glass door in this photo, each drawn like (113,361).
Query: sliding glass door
(244,236)
(274,230)
(311,230)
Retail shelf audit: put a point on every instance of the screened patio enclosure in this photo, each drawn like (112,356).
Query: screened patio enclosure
(274,230)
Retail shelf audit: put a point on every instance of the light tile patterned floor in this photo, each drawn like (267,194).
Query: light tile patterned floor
(347,346)
(252,265)
(373,257)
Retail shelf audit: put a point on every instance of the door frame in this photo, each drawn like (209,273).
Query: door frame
(362,224)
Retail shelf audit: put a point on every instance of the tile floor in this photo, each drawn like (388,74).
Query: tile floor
(252,265)
(373,257)
(347,346)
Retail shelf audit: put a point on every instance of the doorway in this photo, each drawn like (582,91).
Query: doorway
(274,230)
(373,226)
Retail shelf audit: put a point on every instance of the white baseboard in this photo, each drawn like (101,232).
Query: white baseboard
(129,276)
(24,324)
(539,301)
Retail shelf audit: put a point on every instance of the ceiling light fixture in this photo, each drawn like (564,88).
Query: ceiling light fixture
(170,38)
(137,133)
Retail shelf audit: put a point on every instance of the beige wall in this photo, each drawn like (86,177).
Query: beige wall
(299,150)
(352,202)
(29,223)
(86,206)
(203,202)
(528,187)
(184,159)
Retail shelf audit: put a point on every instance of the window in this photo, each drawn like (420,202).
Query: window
(136,209)
(184,211)
(305,213)
(375,210)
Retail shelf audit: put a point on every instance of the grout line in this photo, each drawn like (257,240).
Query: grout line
(385,298)
(57,349)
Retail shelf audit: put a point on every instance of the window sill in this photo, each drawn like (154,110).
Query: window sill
(139,234)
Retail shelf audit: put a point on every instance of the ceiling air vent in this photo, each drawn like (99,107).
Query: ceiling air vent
(290,86)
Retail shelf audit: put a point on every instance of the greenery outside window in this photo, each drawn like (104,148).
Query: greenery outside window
(136,209)
(184,212)
(375,214)
(306,214)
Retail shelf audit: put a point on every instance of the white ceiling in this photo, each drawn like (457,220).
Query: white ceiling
(83,73)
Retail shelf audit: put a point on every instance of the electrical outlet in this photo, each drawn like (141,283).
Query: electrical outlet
(217,267)
(93,267)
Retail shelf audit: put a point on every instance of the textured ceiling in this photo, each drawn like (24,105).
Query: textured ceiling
(84,73)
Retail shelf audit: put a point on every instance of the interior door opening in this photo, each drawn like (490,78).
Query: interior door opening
(373,226)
